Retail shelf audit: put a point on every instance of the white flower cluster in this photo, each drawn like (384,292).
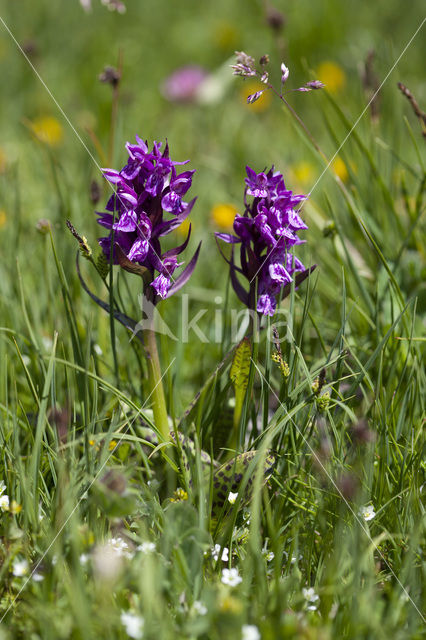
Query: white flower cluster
(20,567)
(146,547)
(250,632)
(216,550)
(367,513)
(133,624)
(231,577)
(311,598)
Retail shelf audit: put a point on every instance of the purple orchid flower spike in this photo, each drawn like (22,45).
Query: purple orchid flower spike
(266,233)
(147,188)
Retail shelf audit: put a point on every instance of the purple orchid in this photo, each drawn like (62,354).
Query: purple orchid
(267,233)
(145,188)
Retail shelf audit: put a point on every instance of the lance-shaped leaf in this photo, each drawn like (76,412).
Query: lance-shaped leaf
(236,285)
(127,322)
(224,256)
(239,374)
(178,250)
(185,275)
(230,477)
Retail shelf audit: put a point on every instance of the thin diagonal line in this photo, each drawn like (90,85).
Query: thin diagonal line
(64,115)
(79,500)
(362,525)
(348,135)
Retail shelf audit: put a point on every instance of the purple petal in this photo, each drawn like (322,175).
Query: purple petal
(266,304)
(127,222)
(161,284)
(172,202)
(228,237)
(296,221)
(105,220)
(278,273)
(138,251)
(112,176)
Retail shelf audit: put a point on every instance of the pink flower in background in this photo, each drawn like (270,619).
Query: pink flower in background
(112,5)
(183,84)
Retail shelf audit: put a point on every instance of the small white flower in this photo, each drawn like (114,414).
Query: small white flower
(311,598)
(216,550)
(37,577)
(231,577)
(146,547)
(97,349)
(26,360)
(133,624)
(285,72)
(268,555)
(4,502)
(19,567)
(295,559)
(232,497)
(120,547)
(367,513)
(250,632)
(199,608)
(84,558)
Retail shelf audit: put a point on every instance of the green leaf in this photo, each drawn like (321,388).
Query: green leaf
(240,367)
(239,374)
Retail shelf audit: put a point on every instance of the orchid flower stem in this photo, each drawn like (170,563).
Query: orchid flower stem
(155,385)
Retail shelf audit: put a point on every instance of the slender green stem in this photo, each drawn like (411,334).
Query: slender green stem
(155,384)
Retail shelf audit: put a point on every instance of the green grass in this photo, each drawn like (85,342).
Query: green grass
(76,426)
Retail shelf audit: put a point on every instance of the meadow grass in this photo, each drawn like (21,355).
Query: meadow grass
(108,532)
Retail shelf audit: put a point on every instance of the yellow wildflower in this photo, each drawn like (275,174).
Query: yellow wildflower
(223,215)
(340,169)
(2,161)
(184,227)
(112,445)
(332,75)
(179,495)
(15,507)
(48,130)
(3,218)
(303,173)
(229,604)
(251,86)
(92,442)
